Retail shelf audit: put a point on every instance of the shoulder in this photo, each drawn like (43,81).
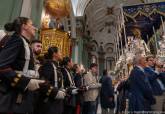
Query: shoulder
(46,65)
(15,39)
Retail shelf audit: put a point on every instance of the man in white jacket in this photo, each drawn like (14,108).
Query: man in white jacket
(93,87)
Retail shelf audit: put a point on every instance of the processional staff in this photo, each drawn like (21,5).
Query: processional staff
(162,23)
(155,39)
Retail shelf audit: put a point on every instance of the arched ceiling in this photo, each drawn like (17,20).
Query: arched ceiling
(79,6)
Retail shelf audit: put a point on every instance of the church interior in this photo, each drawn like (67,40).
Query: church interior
(107,32)
(91,31)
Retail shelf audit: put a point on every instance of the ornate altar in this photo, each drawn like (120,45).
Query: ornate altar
(54,37)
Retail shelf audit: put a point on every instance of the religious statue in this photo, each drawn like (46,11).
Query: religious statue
(138,44)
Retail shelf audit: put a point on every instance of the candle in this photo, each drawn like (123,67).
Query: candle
(162,24)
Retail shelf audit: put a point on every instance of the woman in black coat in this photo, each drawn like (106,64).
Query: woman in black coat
(16,62)
(51,72)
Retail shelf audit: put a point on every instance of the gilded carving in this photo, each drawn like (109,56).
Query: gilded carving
(53,37)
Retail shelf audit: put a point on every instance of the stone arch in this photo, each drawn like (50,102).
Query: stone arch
(108,47)
(94,45)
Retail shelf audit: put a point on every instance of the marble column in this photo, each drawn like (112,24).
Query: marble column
(26,8)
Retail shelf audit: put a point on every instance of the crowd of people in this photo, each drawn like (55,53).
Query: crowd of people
(49,85)
(55,85)
(143,90)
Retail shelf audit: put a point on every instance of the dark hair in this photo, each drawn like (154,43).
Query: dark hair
(16,24)
(149,56)
(105,72)
(66,60)
(75,66)
(93,65)
(50,52)
(36,41)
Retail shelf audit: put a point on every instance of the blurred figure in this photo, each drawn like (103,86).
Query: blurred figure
(91,95)
(69,85)
(78,79)
(106,94)
(51,72)
(155,82)
(16,66)
(140,91)
(77,75)
(36,46)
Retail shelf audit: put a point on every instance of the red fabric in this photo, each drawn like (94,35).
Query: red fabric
(78,109)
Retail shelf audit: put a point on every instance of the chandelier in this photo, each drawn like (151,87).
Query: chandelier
(57,8)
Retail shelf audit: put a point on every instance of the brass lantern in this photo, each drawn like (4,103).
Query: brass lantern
(57,8)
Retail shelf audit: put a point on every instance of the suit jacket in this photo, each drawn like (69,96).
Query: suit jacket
(12,57)
(106,92)
(67,82)
(12,84)
(162,77)
(153,76)
(90,80)
(140,96)
(51,106)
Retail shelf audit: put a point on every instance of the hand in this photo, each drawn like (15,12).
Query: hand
(74,91)
(34,84)
(60,95)
(83,88)
(86,88)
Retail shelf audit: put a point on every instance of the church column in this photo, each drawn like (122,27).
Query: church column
(9,10)
(80,46)
(26,8)
(75,51)
(36,11)
(101,59)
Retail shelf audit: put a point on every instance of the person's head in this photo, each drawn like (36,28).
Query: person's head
(76,68)
(67,62)
(36,46)
(22,26)
(53,54)
(94,68)
(136,32)
(105,72)
(150,60)
(140,60)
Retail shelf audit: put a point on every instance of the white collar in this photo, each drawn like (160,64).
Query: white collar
(140,68)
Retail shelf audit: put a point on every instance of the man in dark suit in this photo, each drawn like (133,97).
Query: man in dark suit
(140,96)
(155,82)
(106,94)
